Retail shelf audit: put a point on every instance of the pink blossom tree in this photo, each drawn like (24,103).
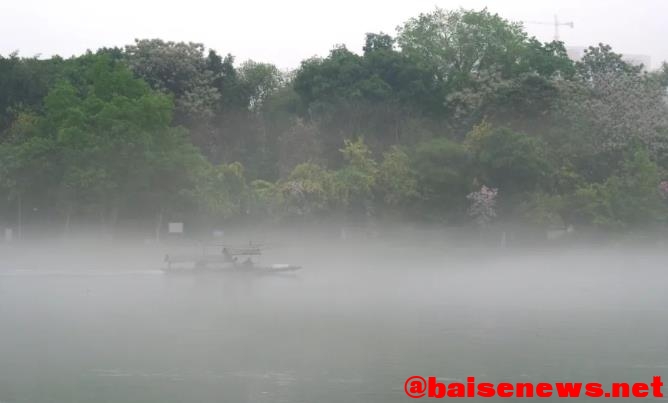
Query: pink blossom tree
(483,203)
(663,189)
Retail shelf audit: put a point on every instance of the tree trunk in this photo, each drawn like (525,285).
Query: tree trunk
(20,218)
(158,226)
(113,219)
(68,217)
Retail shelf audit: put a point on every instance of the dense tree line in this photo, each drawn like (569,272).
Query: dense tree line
(458,118)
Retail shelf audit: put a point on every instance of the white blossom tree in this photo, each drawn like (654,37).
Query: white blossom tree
(663,189)
(483,203)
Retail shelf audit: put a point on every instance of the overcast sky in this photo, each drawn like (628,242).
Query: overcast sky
(285,32)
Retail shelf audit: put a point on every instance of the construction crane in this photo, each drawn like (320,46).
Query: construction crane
(556,24)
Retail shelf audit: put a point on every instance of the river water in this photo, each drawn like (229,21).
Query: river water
(350,327)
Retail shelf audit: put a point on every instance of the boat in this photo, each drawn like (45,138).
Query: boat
(228,261)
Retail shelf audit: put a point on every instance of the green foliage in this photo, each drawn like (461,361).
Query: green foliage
(265,199)
(27,167)
(260,81)
(297,144)
(590,205)
(510,161)
(443,170)
(601,60)
(101,147)
(546,59)
(397,181)
(629,199)
(484,67)
(222,192)
(309,190)
(453,101)
(378,42)
(543,210)
(348,94)
(23,84)
(108,133)
(357,179)
(464,45)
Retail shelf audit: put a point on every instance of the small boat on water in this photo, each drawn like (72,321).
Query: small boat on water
(232,259)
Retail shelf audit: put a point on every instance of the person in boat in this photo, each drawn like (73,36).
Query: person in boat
(228,256)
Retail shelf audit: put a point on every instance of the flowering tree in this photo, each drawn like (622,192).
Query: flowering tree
(663,189)
(482,205)
(614,105)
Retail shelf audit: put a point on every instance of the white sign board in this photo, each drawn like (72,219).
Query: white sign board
(175,227)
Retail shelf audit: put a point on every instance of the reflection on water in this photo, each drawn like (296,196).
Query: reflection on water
(350,327)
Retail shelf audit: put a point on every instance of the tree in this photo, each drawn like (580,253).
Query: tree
(415,121)
(483,203)
(543,210)
(607,112)
(298,144)
(260,80)
(222,192)
(397,181)
(444,174)
(310,190)
(23,84)
(177,68)
(29,173)
(600,61)
(371,95)
(511,161)
(629,199)
(226,80)
(485,67)
(378,42)
(464,45)
(104,146)
(357,178)
(265,199)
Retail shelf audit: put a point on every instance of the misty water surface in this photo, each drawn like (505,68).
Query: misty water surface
(95,324)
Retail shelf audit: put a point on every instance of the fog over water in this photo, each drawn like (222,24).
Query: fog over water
(100,322)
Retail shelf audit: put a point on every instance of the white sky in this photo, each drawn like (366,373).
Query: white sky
(284,32)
